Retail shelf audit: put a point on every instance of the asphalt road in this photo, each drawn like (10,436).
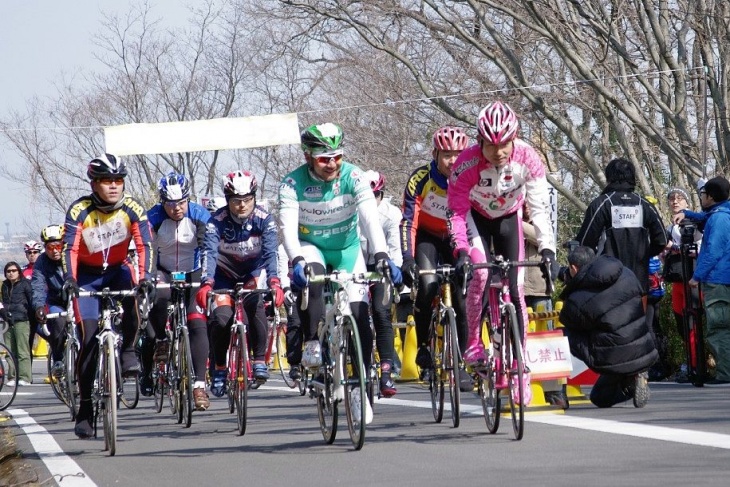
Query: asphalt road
(681,437)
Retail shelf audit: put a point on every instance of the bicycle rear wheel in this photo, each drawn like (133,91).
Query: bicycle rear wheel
(185,384)
(56,386)
(8,368)
(160,380)
(303,382)
(513,353)
(491,403)
(281,355)
(241,382)
(435,377)
(327,405)
(451,364)
(70,379)
(108,386)
(130,392)
(354,381)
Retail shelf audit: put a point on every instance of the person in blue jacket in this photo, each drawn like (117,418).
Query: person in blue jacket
(713,271)
(47,282)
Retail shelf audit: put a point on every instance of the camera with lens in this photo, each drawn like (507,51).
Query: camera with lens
(687,229)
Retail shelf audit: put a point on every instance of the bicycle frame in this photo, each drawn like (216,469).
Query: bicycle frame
(179,371)
(505,368)
(240,377)
(342,371)
(68,385)
(443,343)
(108,379)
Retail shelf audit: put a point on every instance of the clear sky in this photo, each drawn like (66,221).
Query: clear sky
(40,40)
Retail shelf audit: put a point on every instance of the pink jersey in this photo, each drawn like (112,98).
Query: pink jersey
(497,192)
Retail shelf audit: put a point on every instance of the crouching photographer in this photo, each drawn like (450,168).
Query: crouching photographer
(603,315)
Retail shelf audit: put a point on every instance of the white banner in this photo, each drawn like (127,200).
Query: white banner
(202,135)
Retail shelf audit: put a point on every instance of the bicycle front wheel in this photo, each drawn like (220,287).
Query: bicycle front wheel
(8,369)
(354,380)
(185,384)
(435,375)
(513,353)
(108,386)
(451,364)
(326,401)
(241,382)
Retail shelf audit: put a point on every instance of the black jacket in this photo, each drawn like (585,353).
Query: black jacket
(17,299)
(624,225)
(605,318)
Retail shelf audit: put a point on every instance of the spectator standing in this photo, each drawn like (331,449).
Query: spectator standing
(713,271)
(678,200)
(16,310)
(32,250)
(606,326)
(622,224)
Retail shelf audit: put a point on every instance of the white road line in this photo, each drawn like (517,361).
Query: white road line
(64,470)
(558,418)
(675,435)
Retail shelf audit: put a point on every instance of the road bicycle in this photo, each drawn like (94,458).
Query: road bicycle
(8,369)
(240,374)
(174,376)
(341,376)
(108,384)
(505,368)
(444,347)
(276,347)
(66,386)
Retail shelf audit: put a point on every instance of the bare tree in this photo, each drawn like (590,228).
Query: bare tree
(591,79)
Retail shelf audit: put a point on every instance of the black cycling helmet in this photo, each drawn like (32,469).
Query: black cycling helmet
(105,166)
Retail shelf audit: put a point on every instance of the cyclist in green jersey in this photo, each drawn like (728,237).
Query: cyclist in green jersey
(320,204)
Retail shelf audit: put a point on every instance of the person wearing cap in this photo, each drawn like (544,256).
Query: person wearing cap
(713,271)
(678,201)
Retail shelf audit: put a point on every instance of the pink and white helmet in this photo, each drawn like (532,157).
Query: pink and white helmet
(375,179)
(450,139)
(32,245)
(239,183)
(497,123)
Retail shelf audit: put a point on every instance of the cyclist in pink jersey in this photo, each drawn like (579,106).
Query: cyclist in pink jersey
(489,184)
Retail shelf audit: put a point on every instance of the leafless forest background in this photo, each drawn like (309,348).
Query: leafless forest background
(591,80)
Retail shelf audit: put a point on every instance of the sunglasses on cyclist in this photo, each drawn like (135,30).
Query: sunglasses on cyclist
(54,246)
(327,158)
(171,205)
(238,200)
(110,181)
(32,252)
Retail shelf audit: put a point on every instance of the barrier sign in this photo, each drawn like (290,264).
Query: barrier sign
(548,355)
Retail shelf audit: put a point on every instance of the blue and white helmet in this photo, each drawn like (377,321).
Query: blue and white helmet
(174,187)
